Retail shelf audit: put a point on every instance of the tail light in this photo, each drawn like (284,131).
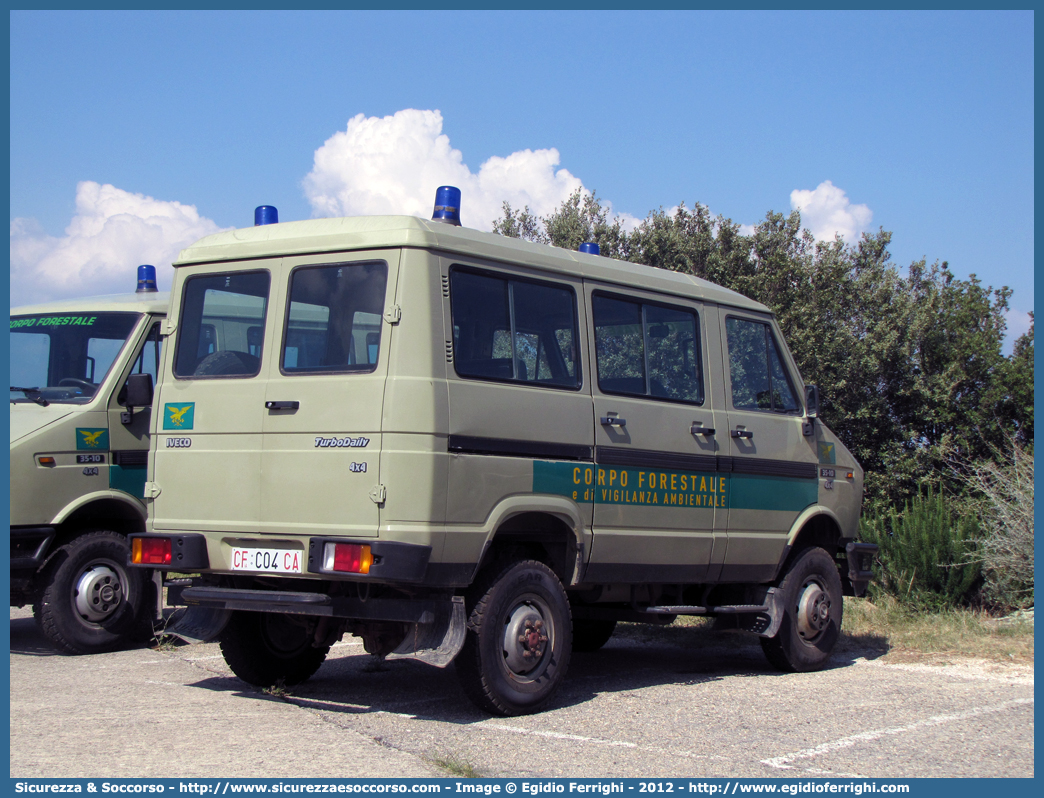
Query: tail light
(351,558)
(151,551)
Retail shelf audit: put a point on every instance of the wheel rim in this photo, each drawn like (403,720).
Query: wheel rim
(813,611)
(529,636)
(99,592)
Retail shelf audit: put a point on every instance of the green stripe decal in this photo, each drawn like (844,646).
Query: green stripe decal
(586,482)
(773,493)
(130,479)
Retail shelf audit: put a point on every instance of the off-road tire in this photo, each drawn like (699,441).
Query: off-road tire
(96,564)
(506,603)
(811,622)
(591,635)
(268,648)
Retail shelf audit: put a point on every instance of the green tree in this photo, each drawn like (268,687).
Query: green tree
(1015,396)
(522,224)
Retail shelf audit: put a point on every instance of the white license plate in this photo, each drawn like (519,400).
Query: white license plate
(269,561)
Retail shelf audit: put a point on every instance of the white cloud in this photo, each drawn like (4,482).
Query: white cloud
(827,212)
(112,233)
(392,165)
(628,222)
(1018,324)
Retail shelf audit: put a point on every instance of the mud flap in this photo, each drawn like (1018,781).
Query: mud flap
(198,624)
(156,609)
(776,610)
(438,642)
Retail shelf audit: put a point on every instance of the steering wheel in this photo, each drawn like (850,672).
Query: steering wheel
(87,387)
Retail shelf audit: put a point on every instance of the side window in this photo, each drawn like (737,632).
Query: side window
(759,379)
(147,361)
(514,330)
(149,356)
(333,322)
(647,350)
(220,330)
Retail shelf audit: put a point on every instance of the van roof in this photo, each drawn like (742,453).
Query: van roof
(153,302)
(381,232)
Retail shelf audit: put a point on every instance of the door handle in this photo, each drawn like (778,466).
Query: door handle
(696,429)
(613,421)
(282,405)
(742,433)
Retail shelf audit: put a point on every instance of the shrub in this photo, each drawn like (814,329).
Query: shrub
(1001,495)
(926,552)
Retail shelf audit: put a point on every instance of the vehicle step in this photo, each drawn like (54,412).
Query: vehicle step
(726,609)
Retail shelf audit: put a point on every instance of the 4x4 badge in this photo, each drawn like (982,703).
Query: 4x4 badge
(179,415)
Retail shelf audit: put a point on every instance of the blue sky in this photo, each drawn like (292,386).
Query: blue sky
(132,133)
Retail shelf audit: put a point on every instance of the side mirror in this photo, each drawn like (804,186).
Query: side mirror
(811,401)
(136,393)
(808,427)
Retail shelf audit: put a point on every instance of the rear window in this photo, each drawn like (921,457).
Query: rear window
(221,331)
(333,322)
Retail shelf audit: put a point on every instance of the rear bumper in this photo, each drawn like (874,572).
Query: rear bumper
(304,603)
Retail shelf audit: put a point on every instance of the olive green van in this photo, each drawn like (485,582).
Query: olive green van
(467,448)
(82,373)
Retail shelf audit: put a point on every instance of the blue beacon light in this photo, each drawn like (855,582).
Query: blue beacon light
(266,214)
(589,247)
(146,280)
(447,205)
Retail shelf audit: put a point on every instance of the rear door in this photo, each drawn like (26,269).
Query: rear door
(212,401)
(656,490)
(325,394)
(773,463)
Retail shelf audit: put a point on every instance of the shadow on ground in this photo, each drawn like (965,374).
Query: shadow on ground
(28,640)
(636,657)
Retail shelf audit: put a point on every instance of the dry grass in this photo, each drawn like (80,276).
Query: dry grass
(886,624)
(454,766)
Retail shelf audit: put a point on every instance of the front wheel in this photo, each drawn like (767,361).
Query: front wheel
(812,619)
(518,642)
(90,600)
(267,648)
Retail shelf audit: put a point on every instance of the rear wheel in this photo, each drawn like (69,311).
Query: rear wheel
(90,601)
(589,635)
(267,648)
(518,641)
(812,620)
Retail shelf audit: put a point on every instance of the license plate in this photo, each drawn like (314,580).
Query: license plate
(269,561)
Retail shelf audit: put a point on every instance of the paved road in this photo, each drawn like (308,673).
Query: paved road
(676,702)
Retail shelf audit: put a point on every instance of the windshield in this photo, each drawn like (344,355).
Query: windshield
(64,358)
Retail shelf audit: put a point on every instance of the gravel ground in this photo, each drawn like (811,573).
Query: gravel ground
(641,707)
